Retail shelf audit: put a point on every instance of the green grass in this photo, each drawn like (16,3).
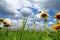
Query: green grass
(28,35)
(22,34)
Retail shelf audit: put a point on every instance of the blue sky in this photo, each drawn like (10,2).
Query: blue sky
(15,10)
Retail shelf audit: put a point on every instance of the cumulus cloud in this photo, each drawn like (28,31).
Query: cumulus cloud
(50,23)
(29,24)
(54,20)
(53,5)
(46,4)
(9,7)
(37,16)
(15,24)
(38,26)
(26,12)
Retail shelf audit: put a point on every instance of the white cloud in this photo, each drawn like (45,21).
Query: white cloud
(26,12)
(38,16)
(29,24)
(46,5)
(39,4)
(38,26)
(26,3)
(8,20)
(13,5)
(50,23)
(36,6)
(10,6)
(15,24)
(54,19)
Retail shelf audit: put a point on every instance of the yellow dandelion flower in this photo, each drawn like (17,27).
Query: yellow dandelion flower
(58,23)
(6,24)
(44,15)
(1,19)
(57,16)
(56,26)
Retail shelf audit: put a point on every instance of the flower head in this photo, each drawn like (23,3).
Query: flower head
(57,16)
(56,26)
(1,19)
(44,15)
(6,24)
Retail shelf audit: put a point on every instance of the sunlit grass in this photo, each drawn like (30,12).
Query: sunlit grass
(28,35)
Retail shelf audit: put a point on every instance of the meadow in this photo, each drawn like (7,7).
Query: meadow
(28,35)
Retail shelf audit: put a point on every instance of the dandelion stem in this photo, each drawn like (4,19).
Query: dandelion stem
(46,31)
(45,20)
